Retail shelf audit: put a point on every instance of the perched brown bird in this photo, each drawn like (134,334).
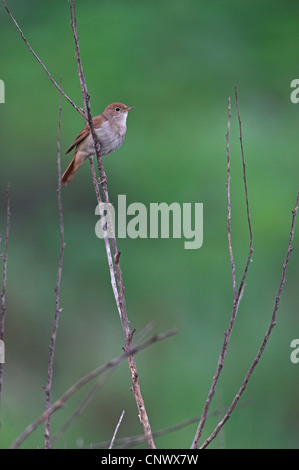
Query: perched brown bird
(110,127)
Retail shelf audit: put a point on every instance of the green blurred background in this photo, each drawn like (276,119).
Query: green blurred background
(177,63)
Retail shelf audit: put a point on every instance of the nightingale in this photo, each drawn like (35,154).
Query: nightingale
(110,128)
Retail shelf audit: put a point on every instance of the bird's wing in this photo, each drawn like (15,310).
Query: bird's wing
(97,122)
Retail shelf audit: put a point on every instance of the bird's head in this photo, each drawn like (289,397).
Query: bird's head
(117,111)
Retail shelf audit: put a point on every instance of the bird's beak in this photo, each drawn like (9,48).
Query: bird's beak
(128,108)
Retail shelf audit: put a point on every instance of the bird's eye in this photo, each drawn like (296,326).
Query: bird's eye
(117,109)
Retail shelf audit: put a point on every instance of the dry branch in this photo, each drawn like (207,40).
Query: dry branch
(58,309)
(229,207)
(4,281)
(242,283)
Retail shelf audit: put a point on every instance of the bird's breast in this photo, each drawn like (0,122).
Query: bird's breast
(110,137)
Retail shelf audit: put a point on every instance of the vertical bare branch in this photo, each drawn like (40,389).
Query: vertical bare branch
(58,309)
(229,208)
(246,197)
(105,235)
(267,335)
(119,294)
(4,280)
(79,63)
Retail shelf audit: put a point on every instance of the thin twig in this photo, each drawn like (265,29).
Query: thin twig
(4,281)
(267,335)
(116,271)
(58,309)
(84,380)
(41,63)
(116,429)
(246,197)
(78,56)
(105,236)
(229,208)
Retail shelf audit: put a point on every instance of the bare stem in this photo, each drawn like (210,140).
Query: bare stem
(58,309)
(229,208)
(246,197)
(4,280)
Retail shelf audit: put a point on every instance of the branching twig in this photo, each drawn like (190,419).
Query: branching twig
(58,309)
(84,380)
(229,204)
(41,63)
(4,281)
(115,271)
(267,335)
(237,295)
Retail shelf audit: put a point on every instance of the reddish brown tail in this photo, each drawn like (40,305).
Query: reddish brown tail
(70,172)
